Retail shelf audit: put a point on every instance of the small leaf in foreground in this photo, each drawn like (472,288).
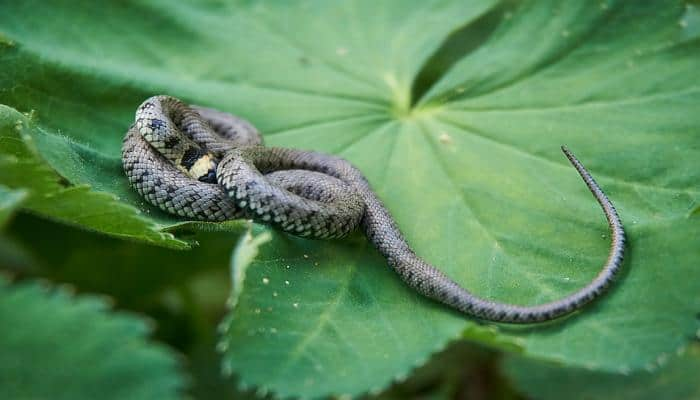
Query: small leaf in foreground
(62,347)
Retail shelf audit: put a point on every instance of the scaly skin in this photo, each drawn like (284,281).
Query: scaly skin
(306,194)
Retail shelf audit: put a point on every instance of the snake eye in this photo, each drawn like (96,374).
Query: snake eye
(210,177)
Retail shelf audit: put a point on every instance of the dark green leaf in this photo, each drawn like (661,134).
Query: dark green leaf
(55,346)
(9,201)
(677,380)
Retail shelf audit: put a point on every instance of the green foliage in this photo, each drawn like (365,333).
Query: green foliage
(304,327)
(454,112)
(678,379)
(24,169)
(9,201)
(55,346)
(184,292)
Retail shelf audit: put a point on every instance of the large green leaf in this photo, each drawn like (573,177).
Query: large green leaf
(55,346)
(463,151)
(295,320)
(677,380)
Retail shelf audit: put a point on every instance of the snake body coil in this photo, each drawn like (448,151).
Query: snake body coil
(205,164)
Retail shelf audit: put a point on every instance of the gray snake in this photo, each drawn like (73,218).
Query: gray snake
(204,164)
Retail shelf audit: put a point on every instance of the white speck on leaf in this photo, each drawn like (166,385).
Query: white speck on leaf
(445,138)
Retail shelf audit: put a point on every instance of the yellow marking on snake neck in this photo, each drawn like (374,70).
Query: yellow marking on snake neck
(202,166)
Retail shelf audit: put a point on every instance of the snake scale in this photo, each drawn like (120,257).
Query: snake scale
(205,164)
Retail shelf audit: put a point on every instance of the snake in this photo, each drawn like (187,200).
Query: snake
(208,165)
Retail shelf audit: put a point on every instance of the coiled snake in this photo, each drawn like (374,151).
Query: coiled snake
(204,164)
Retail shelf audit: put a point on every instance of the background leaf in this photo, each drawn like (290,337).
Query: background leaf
(108,358)
(76,205)
(183,292)
(9,201)
(676,380)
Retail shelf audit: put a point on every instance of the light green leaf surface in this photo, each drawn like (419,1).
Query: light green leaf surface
(298,320)
(243,255)
(467,161)
(677,380)
(62,347)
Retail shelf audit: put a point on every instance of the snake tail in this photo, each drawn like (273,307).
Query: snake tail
(249,164)
(431,282)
